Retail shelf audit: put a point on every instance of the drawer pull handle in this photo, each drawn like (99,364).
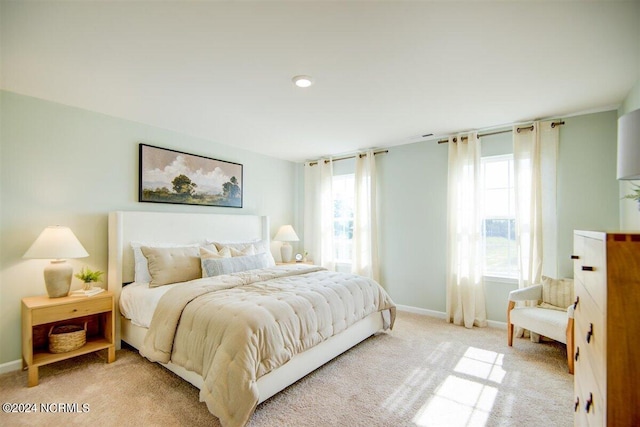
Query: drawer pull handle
(589,404)
(575,303)
(590,333)
(575,257)
(587,268)
(575,408)
(74,310)
(577,354)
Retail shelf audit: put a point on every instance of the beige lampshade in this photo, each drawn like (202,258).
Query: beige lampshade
(56,242)
(629,146)
(286,233)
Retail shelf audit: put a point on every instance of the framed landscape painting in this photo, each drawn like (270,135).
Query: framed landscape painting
(168,176)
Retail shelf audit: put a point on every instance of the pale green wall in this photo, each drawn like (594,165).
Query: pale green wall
(63,165)
(632,101)
(412,183)
(587,185)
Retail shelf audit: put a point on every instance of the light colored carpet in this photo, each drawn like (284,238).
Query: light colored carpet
(424,372)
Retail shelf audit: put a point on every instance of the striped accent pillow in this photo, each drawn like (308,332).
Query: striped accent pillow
(557,292)
(218,266)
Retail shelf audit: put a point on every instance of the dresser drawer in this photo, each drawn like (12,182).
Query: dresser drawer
(586,389)
(80,307)
(578,257)
(594,271)
(587,317)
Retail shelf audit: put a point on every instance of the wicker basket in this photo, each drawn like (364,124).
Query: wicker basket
(64,338)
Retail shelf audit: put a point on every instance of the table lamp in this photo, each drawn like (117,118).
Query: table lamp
(286,234)
(57,243)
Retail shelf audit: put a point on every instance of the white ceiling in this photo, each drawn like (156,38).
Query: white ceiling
(386,72)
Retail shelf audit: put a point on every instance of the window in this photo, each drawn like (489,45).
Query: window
(498,225)
(343,206)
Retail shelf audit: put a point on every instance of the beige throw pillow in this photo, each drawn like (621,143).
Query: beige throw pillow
(237,245)
(557,293)
(207,253)
(249,250)
(172,265)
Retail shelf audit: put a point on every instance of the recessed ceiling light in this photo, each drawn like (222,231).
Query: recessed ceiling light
(302,81)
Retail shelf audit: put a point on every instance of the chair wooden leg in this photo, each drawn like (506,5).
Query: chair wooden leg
(512,304)
(570,345)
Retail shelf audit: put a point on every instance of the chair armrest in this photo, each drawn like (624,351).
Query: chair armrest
(570,312)
(526,294)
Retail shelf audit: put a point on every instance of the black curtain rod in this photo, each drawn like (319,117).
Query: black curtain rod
(375,153)
(526,128)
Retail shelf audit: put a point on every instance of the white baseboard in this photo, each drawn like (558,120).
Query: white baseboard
(497,324)
(443,315)
(417,310)
(14,365)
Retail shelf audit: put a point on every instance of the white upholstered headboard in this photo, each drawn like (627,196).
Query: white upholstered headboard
(164,227)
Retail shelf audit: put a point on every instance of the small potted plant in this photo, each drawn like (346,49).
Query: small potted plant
(88,277)
(636,194)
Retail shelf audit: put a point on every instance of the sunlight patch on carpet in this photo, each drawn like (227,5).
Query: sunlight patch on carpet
(461,401)
(416,385)
(483,364)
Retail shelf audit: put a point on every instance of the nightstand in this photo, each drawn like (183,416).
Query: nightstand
(40,313)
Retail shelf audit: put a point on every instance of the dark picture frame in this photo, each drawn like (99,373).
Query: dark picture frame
(170,176)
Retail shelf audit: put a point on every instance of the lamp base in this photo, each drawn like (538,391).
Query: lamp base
(57,278)
(286,251)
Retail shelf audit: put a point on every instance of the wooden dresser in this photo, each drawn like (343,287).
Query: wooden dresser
(607,328)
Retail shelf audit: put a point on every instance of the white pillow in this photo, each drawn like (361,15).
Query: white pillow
(218,266)
(141,267)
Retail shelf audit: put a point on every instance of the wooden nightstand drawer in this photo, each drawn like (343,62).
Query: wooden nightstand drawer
(82,306)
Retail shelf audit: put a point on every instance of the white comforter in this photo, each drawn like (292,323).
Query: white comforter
(233,329)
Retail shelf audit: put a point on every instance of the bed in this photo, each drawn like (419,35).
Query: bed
(158,228)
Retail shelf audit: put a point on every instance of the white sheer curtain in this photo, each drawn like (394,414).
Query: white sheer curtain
(534,160)
(365,230)
(318,212)
(465,286)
